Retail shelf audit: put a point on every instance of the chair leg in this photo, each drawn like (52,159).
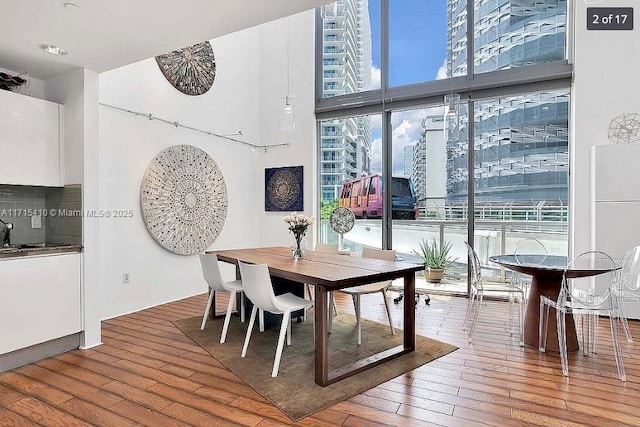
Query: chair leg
(476,315)
(356,303)
(247,337)
(227,317)
(283,331)
(617,350)
(627,331)
(469,309)
(543,326)
(594,333)
(261,320)
(521,307)
(625,323)
(206,310)
(386,305)
(511,321)
(562,341)
(579,319)
(242,307)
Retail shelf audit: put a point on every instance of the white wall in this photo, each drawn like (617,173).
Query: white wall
(78,91)
(246,95)
(605,86)
(273,87)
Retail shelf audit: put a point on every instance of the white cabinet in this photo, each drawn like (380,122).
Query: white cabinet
(40,299)
(30,140)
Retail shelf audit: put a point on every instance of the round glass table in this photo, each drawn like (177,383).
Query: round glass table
(546,273)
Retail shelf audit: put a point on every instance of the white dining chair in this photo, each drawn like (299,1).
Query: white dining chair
(357,291)
(259,289)
(213,277)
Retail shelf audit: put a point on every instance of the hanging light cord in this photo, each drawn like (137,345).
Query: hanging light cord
(178,124)
(451,49)
(288,61)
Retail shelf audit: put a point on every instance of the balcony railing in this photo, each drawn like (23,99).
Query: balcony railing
(491,237)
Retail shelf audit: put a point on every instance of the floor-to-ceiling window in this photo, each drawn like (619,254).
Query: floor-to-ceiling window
(437,93)
(348,153)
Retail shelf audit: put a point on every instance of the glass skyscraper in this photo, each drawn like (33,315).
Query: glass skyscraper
(521,142)
(345,143)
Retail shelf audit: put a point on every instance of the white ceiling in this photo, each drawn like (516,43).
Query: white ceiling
(106,34)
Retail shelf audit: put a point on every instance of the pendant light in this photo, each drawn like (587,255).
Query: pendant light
(288,112)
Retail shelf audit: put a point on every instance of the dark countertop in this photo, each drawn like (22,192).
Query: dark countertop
(30,249)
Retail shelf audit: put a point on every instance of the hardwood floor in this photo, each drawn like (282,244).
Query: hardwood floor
(148,373)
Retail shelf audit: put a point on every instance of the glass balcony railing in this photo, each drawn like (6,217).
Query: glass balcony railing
(492,237)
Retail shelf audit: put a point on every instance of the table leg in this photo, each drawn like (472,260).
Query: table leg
(321,340)
(409,312)
(547,286)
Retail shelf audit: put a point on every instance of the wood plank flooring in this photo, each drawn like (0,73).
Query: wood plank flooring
(147,373)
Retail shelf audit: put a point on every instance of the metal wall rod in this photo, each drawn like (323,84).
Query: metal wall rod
(178,124)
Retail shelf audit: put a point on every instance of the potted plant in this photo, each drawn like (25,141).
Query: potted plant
(435,259)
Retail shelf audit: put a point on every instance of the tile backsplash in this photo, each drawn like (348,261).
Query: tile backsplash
(29,208)
(66,226)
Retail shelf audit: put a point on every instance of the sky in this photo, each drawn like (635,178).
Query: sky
(417,53)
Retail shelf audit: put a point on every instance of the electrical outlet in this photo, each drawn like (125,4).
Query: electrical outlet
(125,277)
(36,221)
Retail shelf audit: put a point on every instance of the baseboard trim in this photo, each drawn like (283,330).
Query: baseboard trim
(37,352)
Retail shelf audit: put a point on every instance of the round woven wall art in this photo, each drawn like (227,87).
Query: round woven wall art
(342,220)
(183,198)
(191,70)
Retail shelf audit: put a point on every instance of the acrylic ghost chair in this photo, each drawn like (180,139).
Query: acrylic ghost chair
(357,291)
(531,250)
(627,286)
(478,291)
(213,277)
(586,296)
(258,288)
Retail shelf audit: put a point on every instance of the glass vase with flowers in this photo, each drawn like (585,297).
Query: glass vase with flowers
(298,224)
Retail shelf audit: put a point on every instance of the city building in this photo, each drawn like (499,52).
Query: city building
(521,142)
(345,143)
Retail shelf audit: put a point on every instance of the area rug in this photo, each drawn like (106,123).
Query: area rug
(294,391)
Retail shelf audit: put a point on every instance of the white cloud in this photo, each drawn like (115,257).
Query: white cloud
(376,124)
(442,71)
(406,128)
(375,78)
(376,155)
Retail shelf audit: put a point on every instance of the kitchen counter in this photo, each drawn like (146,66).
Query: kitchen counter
(31,249)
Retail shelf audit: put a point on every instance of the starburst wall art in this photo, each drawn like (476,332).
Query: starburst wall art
(283,189)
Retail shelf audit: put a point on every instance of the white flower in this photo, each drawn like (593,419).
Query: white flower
(298,223)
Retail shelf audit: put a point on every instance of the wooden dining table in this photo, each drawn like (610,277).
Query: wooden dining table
(331,272)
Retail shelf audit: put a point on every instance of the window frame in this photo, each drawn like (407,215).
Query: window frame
(471,87)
